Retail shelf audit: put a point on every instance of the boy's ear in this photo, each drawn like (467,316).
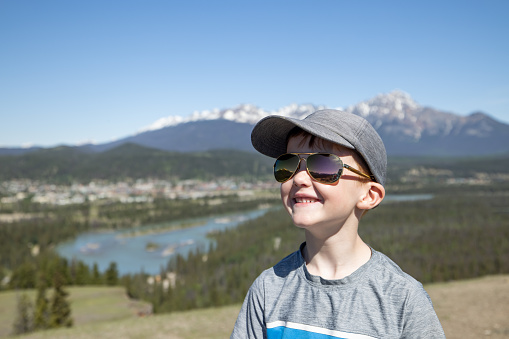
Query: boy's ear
(375,193)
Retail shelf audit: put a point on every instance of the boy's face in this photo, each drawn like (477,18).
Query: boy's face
(319,207)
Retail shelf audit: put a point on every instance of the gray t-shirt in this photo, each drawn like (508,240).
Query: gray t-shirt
(378,300)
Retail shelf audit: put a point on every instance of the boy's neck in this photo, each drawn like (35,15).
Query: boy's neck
(335,257)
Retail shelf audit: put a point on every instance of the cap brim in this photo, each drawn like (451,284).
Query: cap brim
(270,134)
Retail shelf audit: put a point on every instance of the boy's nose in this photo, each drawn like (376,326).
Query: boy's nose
(301,176)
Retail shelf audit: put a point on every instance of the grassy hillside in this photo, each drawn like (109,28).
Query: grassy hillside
(467,309)
(92,304)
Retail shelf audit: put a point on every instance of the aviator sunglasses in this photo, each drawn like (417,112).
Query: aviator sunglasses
(324,168)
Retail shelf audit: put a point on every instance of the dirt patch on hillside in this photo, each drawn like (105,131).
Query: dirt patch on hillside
(477,308)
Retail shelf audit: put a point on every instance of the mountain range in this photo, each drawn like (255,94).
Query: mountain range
(406,127)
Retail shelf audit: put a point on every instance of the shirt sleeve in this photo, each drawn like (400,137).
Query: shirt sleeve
(251,320)
(421,320)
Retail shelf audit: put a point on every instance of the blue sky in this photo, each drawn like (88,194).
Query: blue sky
(76,71)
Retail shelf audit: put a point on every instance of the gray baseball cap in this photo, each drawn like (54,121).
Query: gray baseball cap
(270,134)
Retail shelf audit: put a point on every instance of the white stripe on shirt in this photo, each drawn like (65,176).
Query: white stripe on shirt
(314,329)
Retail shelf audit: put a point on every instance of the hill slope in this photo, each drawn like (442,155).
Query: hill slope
(467,309)
(89,305)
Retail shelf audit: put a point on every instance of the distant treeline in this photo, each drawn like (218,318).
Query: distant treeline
(453,236)
(418,171)
(43,269)
(65,165)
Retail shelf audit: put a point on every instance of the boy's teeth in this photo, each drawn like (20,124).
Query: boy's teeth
(303,200)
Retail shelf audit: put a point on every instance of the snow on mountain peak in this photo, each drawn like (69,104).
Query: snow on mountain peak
(396,103)
(245,113)
(163,122)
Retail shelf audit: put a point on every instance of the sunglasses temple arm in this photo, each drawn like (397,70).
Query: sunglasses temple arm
(358,172)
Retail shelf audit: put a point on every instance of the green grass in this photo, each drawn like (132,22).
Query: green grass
(212,323)
(91,304)
(8,307)
(465,308)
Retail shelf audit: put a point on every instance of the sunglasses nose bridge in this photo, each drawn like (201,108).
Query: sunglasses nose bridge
(298,169)
(301,166)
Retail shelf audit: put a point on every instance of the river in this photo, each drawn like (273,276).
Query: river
(149,248)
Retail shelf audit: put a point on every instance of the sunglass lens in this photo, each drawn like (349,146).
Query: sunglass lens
(285,166)
(325,168)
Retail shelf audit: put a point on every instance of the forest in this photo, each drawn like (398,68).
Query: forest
(462,232)
(65,165)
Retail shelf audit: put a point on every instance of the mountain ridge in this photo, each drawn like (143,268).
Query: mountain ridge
(407,128)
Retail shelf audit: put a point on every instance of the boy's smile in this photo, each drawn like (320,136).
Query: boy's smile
(305,200)
(312,204)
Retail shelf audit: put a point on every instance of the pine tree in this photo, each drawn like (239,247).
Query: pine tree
(24,320)
(41,314)
(96,275)
(60,307)
(24,276)
(112,274)
(82,274)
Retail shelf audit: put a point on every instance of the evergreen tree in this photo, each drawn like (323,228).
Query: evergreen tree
(96,275)
(60,307)
(23,276)
(24,321)
(82,275)
(112,274)
(41,315)
(2,276)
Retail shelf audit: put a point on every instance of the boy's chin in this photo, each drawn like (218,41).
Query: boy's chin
(303,222)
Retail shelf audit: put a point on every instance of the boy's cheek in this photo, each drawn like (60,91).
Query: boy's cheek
(282,192)
(285,196)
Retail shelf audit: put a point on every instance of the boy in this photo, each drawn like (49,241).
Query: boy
(331,166)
